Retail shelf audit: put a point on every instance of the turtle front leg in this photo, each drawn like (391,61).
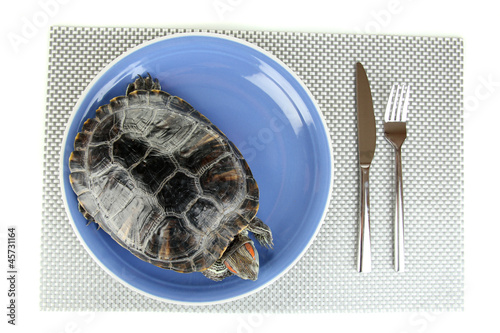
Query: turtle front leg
(262,232)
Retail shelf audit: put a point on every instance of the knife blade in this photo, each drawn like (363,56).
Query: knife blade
(366,151)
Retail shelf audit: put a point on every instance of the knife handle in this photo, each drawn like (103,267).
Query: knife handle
(364,246)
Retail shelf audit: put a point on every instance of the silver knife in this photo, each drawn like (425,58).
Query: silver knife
(366,150)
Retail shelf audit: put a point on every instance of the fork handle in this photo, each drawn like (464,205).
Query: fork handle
(399,253)
(364,246)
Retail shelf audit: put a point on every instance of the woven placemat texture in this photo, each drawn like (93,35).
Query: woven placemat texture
(325,279)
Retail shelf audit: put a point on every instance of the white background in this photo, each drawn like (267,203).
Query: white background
(23,90)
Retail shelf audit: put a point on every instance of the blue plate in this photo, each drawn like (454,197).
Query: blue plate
(265,110)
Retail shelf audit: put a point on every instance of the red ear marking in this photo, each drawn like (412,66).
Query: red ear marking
(249,248)
(229,267)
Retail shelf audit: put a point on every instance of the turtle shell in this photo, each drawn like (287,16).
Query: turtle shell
(162,180)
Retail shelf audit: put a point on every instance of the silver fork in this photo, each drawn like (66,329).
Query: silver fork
(395,133)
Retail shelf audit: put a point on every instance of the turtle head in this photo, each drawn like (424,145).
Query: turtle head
(244,260)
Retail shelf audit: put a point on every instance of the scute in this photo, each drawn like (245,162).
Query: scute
(177,193)
(151,170)
(129,150)
(169,130)
(204,215)
(113,190)
(107,129)
(224,181)
(162,180)
(137,119)
(177,240)
(77,161)
(99,158)
(201,150)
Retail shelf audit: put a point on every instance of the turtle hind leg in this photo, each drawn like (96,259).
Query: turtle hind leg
(217,272)
(146,83)
(261,232)
(87,216)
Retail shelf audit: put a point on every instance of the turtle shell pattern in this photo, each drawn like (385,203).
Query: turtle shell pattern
(162,180)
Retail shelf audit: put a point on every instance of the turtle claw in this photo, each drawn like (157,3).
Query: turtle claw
(265,240)
(261,232)
(143,83)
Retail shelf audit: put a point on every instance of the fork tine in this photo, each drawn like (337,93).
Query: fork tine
(395,104)
(405,106)
(397,116)
(389,104)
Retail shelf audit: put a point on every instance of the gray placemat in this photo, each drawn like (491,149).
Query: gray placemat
(325,279)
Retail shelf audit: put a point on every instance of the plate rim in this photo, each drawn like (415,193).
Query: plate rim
(117,60)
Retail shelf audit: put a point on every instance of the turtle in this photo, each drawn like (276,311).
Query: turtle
(166,184)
